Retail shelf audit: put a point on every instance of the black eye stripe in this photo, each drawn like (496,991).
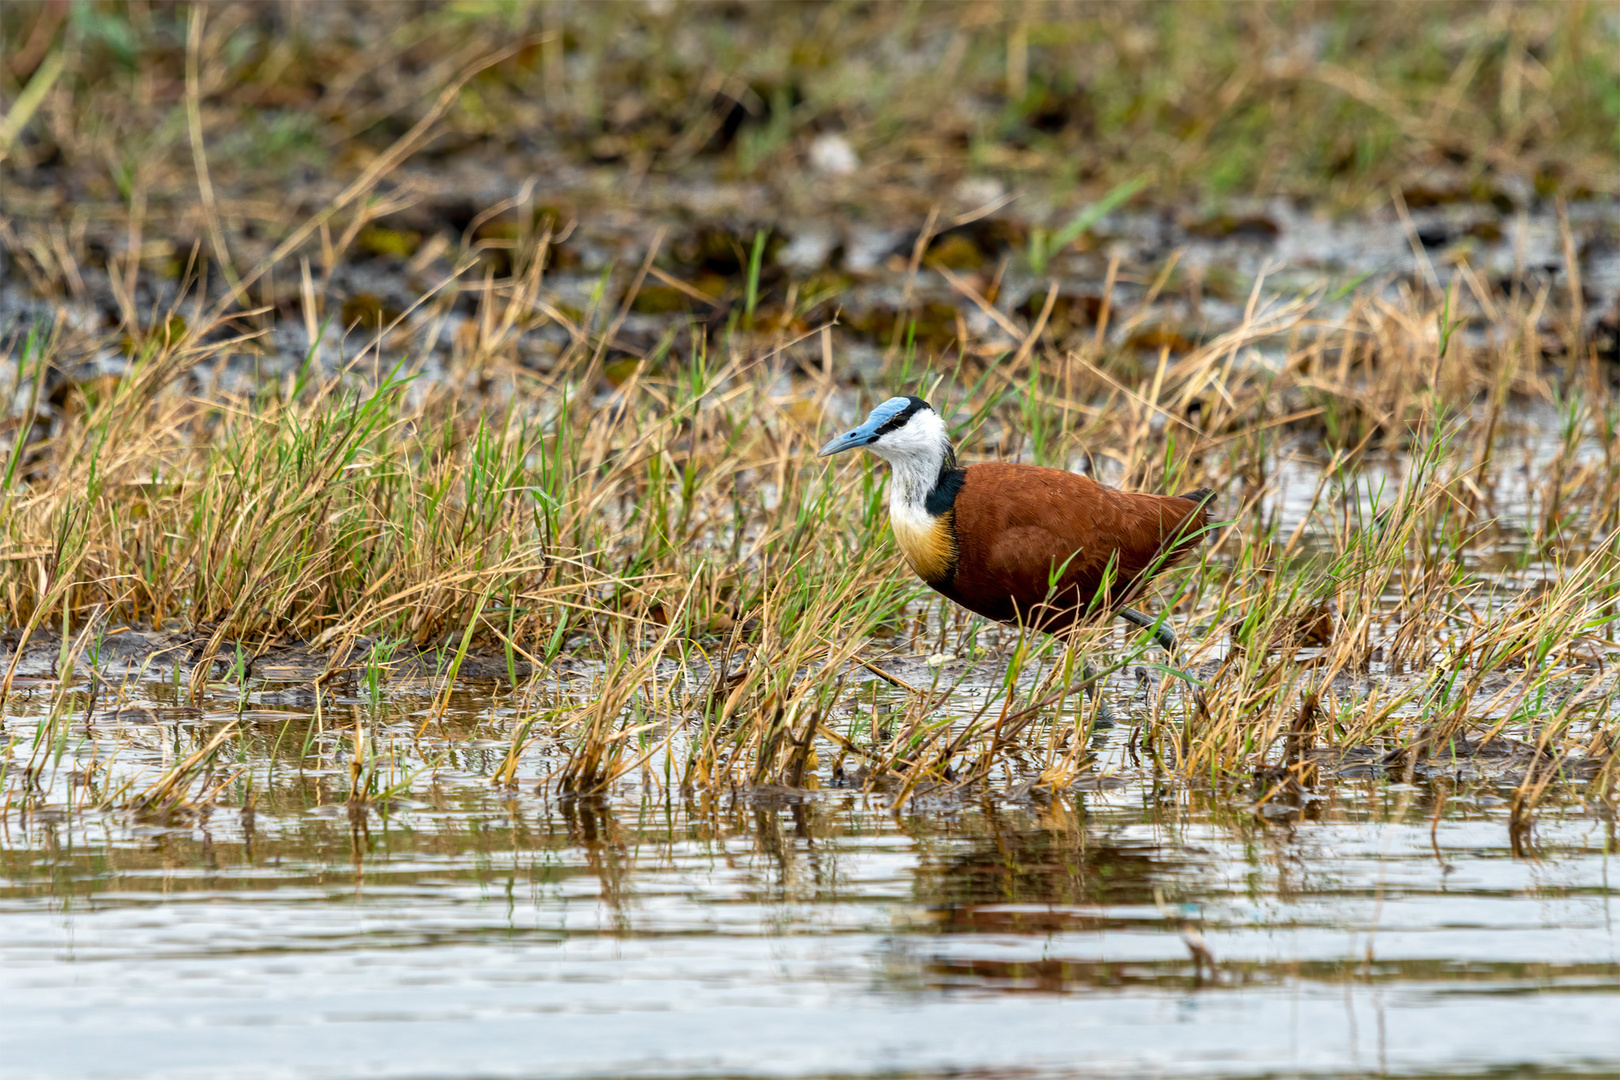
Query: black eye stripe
(898,420)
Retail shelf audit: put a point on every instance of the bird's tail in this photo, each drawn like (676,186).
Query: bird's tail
(1201,496)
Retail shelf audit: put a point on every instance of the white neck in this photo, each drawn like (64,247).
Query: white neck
(913,479)
(916,453)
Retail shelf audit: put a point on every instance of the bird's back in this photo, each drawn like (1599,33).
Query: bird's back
(1020,529)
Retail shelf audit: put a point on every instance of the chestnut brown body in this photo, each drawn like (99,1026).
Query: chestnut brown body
(1044,547)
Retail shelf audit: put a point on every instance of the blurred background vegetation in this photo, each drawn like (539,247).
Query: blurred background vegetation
(857,108)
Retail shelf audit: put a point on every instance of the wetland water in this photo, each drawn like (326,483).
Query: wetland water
(468,930)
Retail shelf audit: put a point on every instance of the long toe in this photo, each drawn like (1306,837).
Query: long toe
(1102,715)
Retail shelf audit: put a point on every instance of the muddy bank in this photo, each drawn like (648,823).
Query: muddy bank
(1139,283)
(123,652)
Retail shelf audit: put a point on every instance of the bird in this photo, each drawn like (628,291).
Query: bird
(1022,544)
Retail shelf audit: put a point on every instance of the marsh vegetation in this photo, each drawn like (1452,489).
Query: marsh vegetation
(409,485)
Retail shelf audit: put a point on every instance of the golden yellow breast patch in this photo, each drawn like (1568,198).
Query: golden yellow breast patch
(928,544)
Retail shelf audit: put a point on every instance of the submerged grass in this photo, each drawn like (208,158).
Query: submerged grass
(388,511)
(677,527)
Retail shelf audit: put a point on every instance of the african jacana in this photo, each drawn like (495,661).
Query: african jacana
(1022,544)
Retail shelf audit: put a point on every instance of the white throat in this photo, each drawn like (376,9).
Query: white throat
(916,453)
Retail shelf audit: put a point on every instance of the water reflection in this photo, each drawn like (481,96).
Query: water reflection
(460,928)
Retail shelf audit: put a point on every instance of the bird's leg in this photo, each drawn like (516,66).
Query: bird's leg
(1166,641)
(1161,630)
(1104,716)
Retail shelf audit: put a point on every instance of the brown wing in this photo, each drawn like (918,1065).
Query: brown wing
(1020,527)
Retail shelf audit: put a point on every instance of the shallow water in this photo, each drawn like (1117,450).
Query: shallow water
(464,930)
